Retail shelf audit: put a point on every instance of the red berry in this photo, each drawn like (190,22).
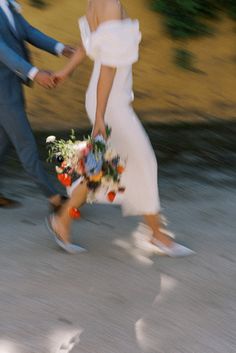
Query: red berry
(111,196)
(64,179)
(74,213)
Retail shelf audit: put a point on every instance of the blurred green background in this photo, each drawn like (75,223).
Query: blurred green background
(186,71)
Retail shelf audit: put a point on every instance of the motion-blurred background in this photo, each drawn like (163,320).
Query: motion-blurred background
(122,298)
(186,71)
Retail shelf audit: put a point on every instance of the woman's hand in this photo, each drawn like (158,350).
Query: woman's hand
(78,56)
(60,77)
(99,128)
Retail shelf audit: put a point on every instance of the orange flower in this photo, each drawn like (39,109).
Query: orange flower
(64,179)
(111,196)
(96,177)
(120,169)
(74,213)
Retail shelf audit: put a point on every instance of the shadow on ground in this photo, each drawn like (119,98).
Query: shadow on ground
(180,148)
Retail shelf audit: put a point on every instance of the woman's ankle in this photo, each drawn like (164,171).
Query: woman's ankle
(62,229)
(163,238)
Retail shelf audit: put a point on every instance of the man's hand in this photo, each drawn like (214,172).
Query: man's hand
(45,79)
(68,51)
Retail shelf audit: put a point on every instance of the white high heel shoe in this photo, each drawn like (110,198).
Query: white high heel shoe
(68,247)
(174,250)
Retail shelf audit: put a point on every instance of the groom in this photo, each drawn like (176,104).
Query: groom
(16,69)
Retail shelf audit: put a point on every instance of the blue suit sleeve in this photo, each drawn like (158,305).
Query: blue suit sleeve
(39,39)
(13,61)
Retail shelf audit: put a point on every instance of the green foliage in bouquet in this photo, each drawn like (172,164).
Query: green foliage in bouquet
(60,147)
(92,159)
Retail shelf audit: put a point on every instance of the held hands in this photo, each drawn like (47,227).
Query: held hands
(59,77)
(48,79)
(45,79)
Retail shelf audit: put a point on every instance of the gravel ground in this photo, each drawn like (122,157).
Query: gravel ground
(120,297)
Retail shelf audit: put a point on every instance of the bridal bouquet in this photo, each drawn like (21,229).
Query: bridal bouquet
(92,160)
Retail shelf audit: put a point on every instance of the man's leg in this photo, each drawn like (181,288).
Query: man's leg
(20,134)
(4,145)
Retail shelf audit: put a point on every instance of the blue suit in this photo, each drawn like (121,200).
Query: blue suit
(15,66)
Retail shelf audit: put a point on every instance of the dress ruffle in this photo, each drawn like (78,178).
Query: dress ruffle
(115,43)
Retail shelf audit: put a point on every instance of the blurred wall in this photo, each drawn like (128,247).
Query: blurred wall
(164,92)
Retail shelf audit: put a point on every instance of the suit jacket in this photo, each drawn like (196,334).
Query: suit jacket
(15,61)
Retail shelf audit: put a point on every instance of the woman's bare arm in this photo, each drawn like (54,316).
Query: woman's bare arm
(71,65)
(112,11)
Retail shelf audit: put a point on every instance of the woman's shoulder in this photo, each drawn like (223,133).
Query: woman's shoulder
(112,4)
(114,40)
(107,9)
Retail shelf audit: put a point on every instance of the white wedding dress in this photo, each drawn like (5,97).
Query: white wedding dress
(115,43)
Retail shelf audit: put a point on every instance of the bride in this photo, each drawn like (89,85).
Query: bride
(111,39)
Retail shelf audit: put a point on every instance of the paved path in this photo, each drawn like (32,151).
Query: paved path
(118,298)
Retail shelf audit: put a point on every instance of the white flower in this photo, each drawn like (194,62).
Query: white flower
(109,184)
(51,139)
(79,149)
(80,146)
(110,154)
(106,182)
(91,198)
(59,170)
(114,186)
